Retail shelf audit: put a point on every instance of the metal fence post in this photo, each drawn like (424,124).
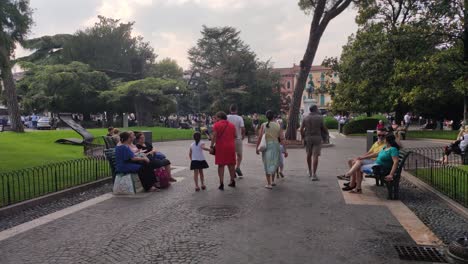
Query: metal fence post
(56,180)
(96,171)
(8,192)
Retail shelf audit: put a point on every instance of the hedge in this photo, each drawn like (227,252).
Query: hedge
(360,126)
(330,122)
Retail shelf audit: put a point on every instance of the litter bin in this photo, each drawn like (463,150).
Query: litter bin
(371,138)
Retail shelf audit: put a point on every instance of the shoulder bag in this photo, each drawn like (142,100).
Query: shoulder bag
(262,146)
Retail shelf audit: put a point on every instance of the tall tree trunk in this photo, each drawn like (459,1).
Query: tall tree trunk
(306,64)
(10,92)
(319,23)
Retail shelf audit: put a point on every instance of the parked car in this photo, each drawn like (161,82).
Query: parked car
(43,123)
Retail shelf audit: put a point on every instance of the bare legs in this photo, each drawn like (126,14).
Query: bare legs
(196,173)
(232,174)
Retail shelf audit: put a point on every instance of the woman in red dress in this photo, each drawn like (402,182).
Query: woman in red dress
(224,136)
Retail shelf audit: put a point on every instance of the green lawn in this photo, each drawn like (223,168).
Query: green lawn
(21,150)
(453,182)
(435,134)
(429,134)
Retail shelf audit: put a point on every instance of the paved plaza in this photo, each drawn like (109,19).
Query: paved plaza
(299,221)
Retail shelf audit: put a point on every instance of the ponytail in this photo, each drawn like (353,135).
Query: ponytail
(269,115)
(197,137)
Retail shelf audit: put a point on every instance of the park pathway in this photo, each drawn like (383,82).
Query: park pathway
(299,221)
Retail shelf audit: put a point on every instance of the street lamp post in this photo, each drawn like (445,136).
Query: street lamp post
(177,101)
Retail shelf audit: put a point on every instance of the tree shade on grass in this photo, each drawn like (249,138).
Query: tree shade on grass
(38,148)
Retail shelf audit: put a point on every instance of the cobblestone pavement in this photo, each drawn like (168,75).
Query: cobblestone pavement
(35,212)
(298,222)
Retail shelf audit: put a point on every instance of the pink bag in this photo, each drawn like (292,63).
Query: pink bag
(162,177)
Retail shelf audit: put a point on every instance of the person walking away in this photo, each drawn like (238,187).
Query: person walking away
(197,160)
(255,123)
(312,128)
(271,155)
(238,123)
(224,136)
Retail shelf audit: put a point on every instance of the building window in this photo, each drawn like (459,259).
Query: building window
(322,99)
(288,85)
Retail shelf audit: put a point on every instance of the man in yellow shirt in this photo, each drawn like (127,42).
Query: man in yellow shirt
(356,163)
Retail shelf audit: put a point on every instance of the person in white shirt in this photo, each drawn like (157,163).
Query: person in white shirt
(197,160)
(407,119)
(238,122)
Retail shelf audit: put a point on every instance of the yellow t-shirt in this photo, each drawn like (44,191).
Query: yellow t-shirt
(377,147)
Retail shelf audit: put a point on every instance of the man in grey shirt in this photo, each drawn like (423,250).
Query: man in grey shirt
(312,129)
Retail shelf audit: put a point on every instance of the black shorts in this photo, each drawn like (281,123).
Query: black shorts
(198,165)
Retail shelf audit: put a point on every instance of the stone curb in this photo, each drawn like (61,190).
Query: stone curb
(451,203)
(50,197)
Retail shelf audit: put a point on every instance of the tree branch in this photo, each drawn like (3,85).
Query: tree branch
(339,7)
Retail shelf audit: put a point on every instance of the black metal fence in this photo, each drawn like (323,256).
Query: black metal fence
(448,176)
(20,185)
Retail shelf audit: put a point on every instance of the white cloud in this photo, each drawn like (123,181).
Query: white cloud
(174,46)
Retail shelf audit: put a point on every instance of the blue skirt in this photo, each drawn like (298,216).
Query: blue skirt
(271,157)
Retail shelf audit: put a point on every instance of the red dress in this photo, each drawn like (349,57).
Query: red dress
(225,143)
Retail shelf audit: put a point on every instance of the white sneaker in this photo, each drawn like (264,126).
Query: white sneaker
(268,186)
(310,174)
(273,184)
(314,178)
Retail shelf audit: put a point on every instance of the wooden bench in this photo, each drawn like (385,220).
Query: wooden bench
(110,156)
(393,187)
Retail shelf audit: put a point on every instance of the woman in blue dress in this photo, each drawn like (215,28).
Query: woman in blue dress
(127,162)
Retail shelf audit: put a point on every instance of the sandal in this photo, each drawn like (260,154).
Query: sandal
(348,188)
(356,191)
(203,187)
(197,189)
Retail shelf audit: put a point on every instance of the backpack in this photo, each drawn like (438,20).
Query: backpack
(162,177)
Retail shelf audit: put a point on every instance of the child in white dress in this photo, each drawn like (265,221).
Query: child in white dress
(198,162)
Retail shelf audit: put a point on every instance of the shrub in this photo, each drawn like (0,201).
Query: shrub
(248,122)
(330,122)
(360,125)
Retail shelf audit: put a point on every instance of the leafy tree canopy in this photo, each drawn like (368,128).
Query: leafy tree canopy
(165,69)
(73,87)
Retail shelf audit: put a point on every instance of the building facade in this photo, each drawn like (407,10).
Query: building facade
(320,81)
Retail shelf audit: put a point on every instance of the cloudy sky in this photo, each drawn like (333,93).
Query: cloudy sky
(274,29)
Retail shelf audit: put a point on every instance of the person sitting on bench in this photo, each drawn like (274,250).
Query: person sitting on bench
(127,162)
(355,164)
(458,147)
(157,159)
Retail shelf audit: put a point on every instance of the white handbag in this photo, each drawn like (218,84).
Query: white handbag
(262,146)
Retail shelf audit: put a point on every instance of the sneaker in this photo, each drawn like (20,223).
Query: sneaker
(273,184)
(239,172)
(232,184)
(343,177)
(268,186)
(310,174)
(314,178)
(221,187)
